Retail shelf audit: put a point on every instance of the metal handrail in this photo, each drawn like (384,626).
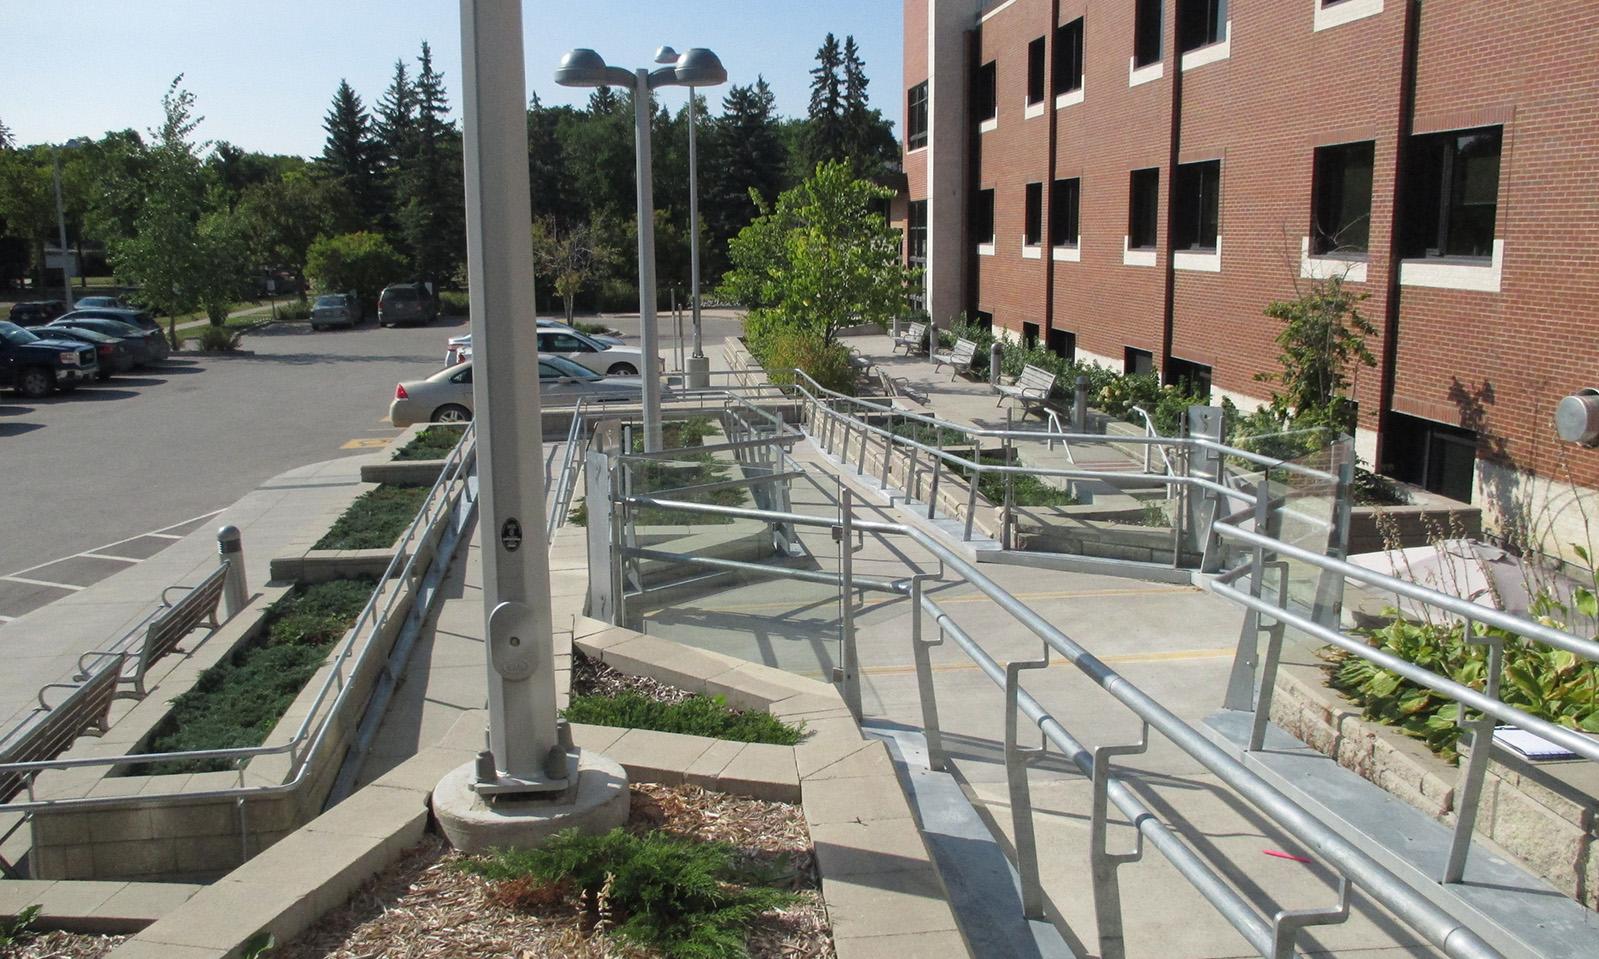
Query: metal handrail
(567,475)
(351,657)
(1149,430)
(1272,937)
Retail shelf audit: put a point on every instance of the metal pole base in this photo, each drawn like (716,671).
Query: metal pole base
(595,802)
(699,372)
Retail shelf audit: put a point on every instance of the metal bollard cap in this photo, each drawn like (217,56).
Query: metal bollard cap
(229,539)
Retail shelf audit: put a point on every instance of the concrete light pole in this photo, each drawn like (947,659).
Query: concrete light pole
(698,67)
(61,228)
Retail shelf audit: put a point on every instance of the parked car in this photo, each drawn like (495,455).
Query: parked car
(335,309)
(458,348)
(142,319)
(37,312)
(113,353)
(101,302)
(407,303)
(446,396)
(590,353)
(34,365)
(135,339)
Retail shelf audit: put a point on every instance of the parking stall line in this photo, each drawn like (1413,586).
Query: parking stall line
(120,559)
(184,522)
(165,535)
(41,582)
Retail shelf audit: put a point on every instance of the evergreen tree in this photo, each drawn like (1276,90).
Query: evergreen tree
(826,137)
(431,214)
(5,136)
(349,155)
(868,137)
(741,151)
(395,126)
(549,178)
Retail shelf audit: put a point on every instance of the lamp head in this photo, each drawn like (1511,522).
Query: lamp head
(582,68)
(665,55)
(699,67)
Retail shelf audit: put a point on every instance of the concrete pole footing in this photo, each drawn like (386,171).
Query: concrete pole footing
(599,803)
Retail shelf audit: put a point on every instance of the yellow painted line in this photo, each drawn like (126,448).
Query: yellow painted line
(880,598)
(1174,655)
(365,444)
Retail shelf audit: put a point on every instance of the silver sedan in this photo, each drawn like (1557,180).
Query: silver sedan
(446,396)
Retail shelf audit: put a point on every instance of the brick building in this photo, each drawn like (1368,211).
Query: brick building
(1131,182)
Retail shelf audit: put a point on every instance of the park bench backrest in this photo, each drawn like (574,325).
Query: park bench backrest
(915,333)
(167,628)
(1036,380)
(965,350)
(51,729)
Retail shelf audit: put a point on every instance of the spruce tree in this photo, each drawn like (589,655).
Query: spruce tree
(5,136)
(429,197)
(741,151)
(395,127)
(825,131)
(349,154)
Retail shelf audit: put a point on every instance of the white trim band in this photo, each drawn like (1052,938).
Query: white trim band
(1350,269)
(1475,277)
(1326,17)
(1198,261)
(1144,74)
(1068,254)
(1070,98)
(1210,53)
(1137,257)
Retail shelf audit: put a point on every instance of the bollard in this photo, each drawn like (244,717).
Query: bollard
(896,326)
(995,350)
(235,591)
(1080,406)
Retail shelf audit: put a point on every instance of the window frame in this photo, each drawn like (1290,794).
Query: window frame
(1196,219)
(1037,78)
(1151,182)
(1065,213)
(1149,17)
(983,209)
(985,95)
(1433,195)
(1211,25)
(1033,215)
(1329,189)
(916,133)
(1066,67)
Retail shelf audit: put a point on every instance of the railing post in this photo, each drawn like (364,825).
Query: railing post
(938,470)
(1103,863)
(924,678)
(1010,495)
(846,563)
(235,589)
(1017,759)
(1241,683)
(1330,585)
(995,353)
(1468,795)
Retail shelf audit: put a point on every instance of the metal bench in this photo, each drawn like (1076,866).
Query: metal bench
(897,386)
(172,622)
(960,358)
(50,730)
(914,338)
(1031,388)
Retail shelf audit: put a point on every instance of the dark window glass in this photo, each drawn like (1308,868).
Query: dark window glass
(1136,361)
(1197,195)
(1342,205)
(1142,209)
(1192,377)
(1453,193)
(916,248)
(1069,57)
(1035,214)
(985,92)
(1035,71)
(1437,457)
(1148,31)
(1064,199)
(1063,343)
(983,217)
(916,117)
(1029,334)
(985,320)
(1203,22)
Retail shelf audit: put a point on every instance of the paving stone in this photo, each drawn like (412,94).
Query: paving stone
(227,913)
(828,705)
(827,760)
(887,904)
(665,661)
(875,845)
(381,812)
(763,771)
(749,686)
(657,757)
(138,904)
(76,898)
(584,626)
(710,764)
(324,866)
(836,732)
(595,738)
(854,800)
(423,771)
(595,644)
(138,948)
(18,894)
(915,945)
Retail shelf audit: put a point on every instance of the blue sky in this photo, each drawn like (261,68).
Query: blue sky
(264,72)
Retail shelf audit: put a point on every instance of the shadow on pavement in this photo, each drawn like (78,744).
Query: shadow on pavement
(17,429)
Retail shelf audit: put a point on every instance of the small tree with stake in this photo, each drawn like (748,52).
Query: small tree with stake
(1323,340)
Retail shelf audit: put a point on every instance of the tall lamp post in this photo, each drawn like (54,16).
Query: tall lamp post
(697,67)
(61,220)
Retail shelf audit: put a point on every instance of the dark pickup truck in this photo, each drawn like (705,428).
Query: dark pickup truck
(33,365)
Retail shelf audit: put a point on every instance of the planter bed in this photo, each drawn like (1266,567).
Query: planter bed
(601,696)
(57,945)
(376,519)
(664,479)
(428,905)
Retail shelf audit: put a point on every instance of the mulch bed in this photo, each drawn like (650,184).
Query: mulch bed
(61,945)
(425,908)
(590,677)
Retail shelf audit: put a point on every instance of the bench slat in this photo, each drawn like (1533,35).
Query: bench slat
(89,704)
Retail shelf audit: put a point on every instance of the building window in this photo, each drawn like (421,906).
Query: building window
(985,321)
(1192,378)
(916,117)
(1029,335)
(1035,214)
(1035,71)
(1197,195)
(1063,343)
(1439,458)
(983,217)
(916,249)
(1148,31)
(1068,57)
(1064,198)
(1136,362)
(1453,193)
(985,92)
(1342,206)
(1142,208)
(1203,22)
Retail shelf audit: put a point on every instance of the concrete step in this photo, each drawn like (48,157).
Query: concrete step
(1519,914)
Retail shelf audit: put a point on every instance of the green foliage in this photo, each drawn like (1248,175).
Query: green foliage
(218,339)
(823,258)
(669,477)
(568,259)
(826,363)
(16,931)
(236,703)
(362,262)
(685,898)
(455,302)
(281,218)
(694,716)
(1322,341)
(431,443)
(928,434)
(376,518)
(1120,395)
(1552,684)
(1026,490)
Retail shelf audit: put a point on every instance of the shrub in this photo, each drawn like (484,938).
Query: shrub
(826,363)
(454,302)
(694,716)
(682,897)
(294,310)
(363,262)
(432,443)
(218,339)
(376,518)
(1121,394)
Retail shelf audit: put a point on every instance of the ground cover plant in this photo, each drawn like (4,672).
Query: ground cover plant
(694,716)
(376,518)
(1026,490)
(666,477)
(432,443)
(686,898)
(237,702)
